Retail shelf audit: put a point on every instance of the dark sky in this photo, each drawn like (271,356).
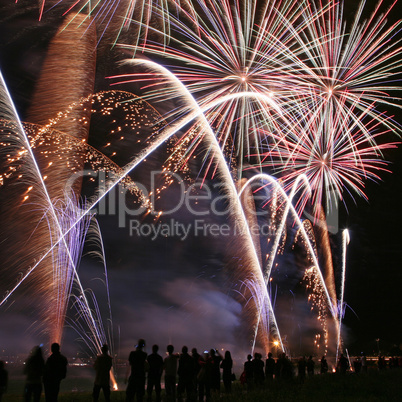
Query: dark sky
(168,290)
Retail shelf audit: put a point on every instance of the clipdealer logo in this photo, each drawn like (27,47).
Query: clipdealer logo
(216,204)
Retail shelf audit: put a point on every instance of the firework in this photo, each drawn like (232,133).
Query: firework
(295,91)
(350,80)
(333,152)
(222,50)
(283,86)
(294,74)
(351,67)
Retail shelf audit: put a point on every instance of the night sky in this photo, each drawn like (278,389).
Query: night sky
(172,291)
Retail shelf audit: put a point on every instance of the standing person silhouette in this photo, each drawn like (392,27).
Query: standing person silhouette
(258,366)
(55,371)
(102,366)
(249,372)
(269,368)
(310,366)
(185,372)
(343,364)
(33,370)
(197,367)
(301,369)
(203,378)
(227,365)
(170,367)
(155,362)
(215,374)
(324,365)
(136,382)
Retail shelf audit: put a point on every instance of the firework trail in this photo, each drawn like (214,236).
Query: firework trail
(53,276)
(65,262)
(72,68)
(345,242)
(91,326)
(250,294)
(288,207)
(51,145)
(248,204)
(70,64)
(33,179)
(330,302)
(88,321)
(60,158)
(320,230)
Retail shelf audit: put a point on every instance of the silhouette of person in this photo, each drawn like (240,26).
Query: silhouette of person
(301,369)
(203,377)
(278,367)
(215,373)
(3,379)
(155,362)
(249,372)
(343,364)
(285,367)
(324,365)
(381,362)
(33,370)
(136,381)
(310,366)
(55,371)
(102,365)
(170,367)
(197,367)
(258,366)
(209,374)
(186,375)
(357,365)
(227,365)
(269,367)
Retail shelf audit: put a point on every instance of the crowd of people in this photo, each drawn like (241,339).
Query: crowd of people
(192,376)
(197,375)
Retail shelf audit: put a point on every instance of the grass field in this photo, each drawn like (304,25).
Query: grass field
(364,387)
